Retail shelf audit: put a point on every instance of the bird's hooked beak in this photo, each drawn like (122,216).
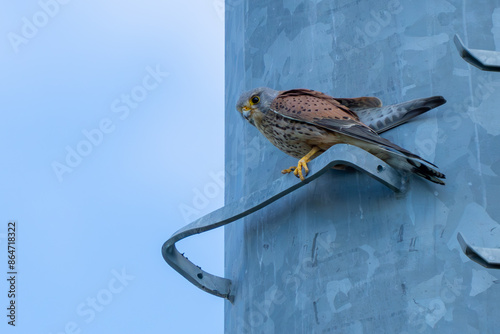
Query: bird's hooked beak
(246,111)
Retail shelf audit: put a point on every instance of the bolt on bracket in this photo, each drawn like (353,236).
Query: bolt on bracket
(341,154)
(483,59)
(487,257)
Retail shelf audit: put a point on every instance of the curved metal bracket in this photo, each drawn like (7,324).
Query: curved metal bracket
(487,257)
(482,59)
(341,154)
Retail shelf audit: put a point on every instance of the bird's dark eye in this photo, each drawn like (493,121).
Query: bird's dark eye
(255,99)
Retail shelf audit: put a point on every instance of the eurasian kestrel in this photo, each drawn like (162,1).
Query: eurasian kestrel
(305,123)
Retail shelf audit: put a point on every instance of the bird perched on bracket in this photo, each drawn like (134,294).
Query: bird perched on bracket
(304,123)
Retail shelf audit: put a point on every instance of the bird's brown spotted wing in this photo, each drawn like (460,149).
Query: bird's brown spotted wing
(306,104)
(327,112)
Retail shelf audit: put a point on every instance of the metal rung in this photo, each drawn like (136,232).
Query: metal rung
(341,154)
(482,59)
(487,257)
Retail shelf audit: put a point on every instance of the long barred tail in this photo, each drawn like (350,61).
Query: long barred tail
(426,172)
(382,119)
(402,159)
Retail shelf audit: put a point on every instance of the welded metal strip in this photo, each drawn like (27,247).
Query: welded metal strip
(487,257)
(482,59)
(341,154)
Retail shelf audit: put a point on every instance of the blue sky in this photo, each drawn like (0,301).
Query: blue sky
(111,123)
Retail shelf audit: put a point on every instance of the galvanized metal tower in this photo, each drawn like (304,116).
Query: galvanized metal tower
(344,253)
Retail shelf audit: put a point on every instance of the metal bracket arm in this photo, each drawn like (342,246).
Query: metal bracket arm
(482,59)
(341,154)
(487,257)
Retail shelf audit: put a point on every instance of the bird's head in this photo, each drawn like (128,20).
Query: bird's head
(254,104)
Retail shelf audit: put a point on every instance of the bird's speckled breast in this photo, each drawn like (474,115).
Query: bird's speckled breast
(292,137)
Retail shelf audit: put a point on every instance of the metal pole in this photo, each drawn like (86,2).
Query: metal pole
(345,254)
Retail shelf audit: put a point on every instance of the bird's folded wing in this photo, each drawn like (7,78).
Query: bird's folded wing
(326,112)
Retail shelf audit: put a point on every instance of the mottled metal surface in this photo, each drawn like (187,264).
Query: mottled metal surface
(339,155)
(346,254)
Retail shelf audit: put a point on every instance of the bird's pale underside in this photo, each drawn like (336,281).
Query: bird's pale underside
(305,123)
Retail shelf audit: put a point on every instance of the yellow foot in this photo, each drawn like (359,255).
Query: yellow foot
(297,171)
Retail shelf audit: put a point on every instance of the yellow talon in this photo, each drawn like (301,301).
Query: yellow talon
(297,171)
(289,170)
